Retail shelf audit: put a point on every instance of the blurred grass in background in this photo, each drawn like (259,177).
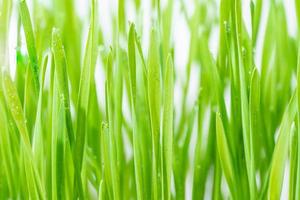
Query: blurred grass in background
(149,138)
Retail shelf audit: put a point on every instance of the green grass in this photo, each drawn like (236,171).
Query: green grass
(66,132)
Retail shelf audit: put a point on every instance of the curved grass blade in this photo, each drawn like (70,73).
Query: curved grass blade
(224,155)
(281,150)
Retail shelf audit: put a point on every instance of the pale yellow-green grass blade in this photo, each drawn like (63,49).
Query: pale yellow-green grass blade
(167,130)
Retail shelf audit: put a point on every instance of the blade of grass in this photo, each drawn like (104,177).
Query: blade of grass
(154,96)
(15,108)
(132,69)
(7,155)
(224,155)
(167,130)
(62,77)
(58,140)
(30,41)
(254,106)
(281,150)
(83,100)
(112,136)
(38,140)
(293,164)
(297,189)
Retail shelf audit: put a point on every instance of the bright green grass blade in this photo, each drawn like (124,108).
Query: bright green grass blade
(137,155)
(7,155)
(9,149)
(15,107)
(200,154)
(140,51)
(20,73)
(217,179)
(256,11)
(112,136)
(107,180)
(181,162)
(54,140)
(116,130)
(224,23)
(68,21)
(297,189)
(57,146)
(14,104)
(112,105)
(242,76)
(38,139)
(255,115)
(83,100)
(297,6)
(254,106)
(62,77)
(30,41)
(224,155)
(30,100)
(167,130)
(154,96)
(101,191)
(143,125)
(132,64)
(281,150)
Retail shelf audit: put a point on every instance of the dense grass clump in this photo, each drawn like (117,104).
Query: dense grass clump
(87,117)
